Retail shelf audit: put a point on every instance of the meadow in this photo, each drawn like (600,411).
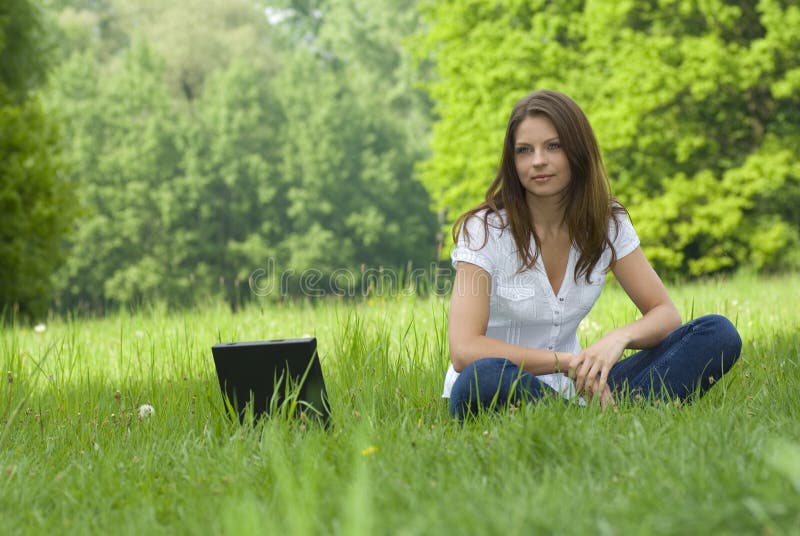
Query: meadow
(76,458)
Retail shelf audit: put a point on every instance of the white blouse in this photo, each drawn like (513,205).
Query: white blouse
(523,309)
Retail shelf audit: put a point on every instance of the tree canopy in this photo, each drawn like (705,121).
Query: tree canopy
(198,142)
(209,139)
(696,105)
(37,203)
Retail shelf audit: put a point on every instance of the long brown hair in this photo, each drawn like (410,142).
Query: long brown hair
(588,204)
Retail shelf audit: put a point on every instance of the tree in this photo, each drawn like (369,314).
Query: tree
(691,101)
(123,150)
(196,38)
(36,202)
(23,48)
(353,121)
(229,210)
(207,150)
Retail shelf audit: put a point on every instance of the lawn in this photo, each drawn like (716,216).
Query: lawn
(75,457)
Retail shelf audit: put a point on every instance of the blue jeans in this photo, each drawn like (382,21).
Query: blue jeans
(688,361)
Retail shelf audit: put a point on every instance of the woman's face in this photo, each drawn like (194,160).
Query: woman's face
(542,164)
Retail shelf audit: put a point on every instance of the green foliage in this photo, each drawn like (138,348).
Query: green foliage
(123,149)
(196,38)
(37,204)
(225,143)
(23,60)
(227,209)
(350,190)
(687,99)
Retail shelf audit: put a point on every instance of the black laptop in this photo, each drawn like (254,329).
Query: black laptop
(267,376)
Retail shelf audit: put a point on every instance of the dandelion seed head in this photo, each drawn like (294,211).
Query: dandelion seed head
(39,328)
(146,411)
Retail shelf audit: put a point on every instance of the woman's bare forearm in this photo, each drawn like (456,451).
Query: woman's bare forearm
(533,360)
(651,328)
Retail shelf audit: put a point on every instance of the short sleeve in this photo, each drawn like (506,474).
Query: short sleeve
(624,237)
(477,250)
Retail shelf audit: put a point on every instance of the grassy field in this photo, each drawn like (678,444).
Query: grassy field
(76,458)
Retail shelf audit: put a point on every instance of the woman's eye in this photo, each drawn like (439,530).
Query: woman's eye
(554,146)
(523,150)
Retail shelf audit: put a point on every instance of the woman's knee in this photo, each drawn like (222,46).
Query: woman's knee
(481,376)
(725,335)
(479,385)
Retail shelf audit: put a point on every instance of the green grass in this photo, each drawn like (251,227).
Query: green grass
(75,457)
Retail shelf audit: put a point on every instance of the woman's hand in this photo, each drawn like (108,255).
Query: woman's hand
(605,394)
(590,368)
(591,388)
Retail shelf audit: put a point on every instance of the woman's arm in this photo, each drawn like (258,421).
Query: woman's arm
(469,316)
(659,318)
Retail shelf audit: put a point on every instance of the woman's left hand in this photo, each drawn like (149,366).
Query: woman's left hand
(605,395)
(590,368)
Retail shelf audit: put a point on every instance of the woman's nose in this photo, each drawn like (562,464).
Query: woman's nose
(538,159)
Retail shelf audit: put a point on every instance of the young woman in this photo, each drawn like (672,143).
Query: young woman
(530,263)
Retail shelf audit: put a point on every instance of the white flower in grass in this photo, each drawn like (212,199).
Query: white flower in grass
(39,328)
(146,411)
